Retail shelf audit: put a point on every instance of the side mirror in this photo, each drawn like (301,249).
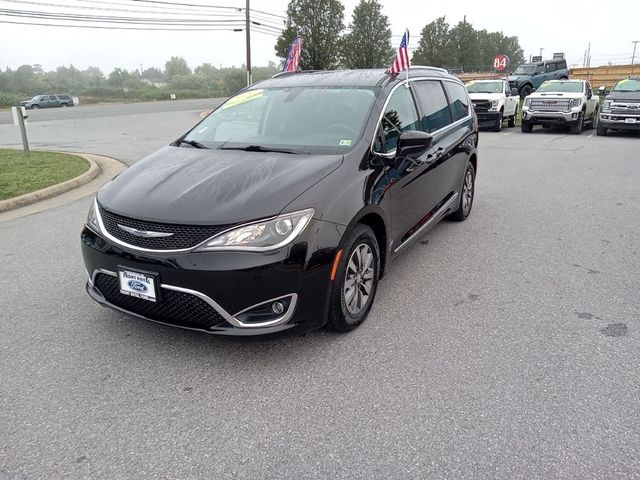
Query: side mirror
(602,90)
(533,90)
(414,143)
(589,96)
(514,91)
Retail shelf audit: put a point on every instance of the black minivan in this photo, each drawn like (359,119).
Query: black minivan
(281,210)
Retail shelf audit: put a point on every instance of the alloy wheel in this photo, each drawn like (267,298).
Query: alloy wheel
(358,280)
(467,192)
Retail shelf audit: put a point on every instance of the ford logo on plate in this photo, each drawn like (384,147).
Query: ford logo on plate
(137,286)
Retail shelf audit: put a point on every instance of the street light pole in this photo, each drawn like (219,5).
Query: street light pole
(633,57)
(248,31)
(541,49)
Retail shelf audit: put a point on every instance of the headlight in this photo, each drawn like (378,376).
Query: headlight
(575,102)
(527,102)
(606,105)
(494,103)
(262,236)
(92,218)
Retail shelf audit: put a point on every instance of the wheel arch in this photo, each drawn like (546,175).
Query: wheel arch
(376,222)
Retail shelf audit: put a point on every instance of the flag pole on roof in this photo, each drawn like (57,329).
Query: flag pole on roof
(293,57)
(401,61)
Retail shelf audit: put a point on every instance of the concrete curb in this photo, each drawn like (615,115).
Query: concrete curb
(102,170)
(53,190)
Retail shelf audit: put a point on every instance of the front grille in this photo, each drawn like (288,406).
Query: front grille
(481,105)
(184,236)
(626,108)
(550,105)
(176,308)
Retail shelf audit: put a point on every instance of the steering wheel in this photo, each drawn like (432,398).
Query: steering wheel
(341,128)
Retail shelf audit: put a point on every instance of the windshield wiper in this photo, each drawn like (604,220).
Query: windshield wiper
(259,148)
(193,143)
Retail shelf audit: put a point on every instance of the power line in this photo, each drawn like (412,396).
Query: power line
(113,27)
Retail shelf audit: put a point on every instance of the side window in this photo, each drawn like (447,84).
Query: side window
(400,115)
(434,106)
(459,100)
(52,98)
(539,69)
(551,67)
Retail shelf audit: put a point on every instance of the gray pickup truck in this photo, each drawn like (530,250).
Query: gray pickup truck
(621,108)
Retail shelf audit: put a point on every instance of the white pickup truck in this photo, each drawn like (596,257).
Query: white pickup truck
(568,103)
(494,101)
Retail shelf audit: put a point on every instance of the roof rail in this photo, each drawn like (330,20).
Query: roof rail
(284,74)
(438,69)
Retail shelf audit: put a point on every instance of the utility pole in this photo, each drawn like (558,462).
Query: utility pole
(248,30)
(633,57)
(541,49)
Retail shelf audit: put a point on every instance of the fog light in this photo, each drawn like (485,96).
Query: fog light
(278,308)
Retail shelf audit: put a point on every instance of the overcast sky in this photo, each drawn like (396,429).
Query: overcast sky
(556,26)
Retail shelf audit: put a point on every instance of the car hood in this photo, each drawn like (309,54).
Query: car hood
(626,96)
(199,186)
(486,96)
(517,78)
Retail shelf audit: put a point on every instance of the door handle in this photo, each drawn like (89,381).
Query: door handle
(435,156)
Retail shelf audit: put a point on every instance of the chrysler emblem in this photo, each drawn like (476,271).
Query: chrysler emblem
(144,233)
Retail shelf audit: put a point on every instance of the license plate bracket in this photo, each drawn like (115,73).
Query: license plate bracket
(139,284)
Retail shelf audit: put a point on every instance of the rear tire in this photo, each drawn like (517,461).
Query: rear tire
(64,105)
(354,287)
(512,120)
(526,127)
(467,194)
(594,120)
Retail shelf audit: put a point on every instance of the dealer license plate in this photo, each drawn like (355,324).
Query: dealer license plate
(629,120)
(139,285)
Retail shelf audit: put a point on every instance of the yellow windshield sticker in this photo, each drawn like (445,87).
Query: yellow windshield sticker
(471,83)
(345,143)
(622,82)
(243,98)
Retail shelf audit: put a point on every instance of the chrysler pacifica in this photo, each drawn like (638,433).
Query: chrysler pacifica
(282,209)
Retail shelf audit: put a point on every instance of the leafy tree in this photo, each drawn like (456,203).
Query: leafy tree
(176,66)
(368,45)
(464,39)
(153,74)
(435,47)
(118,77)
(320,24)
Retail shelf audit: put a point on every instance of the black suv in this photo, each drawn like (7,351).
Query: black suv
(282,208)
(530,76)
(48,101)
(621,108)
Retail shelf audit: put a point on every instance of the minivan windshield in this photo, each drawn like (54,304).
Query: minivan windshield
(627,85)
(525,70)
(484,87)
(289,119)
(564,87)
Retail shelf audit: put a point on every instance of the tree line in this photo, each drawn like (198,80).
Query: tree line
(367,41)
(92,85)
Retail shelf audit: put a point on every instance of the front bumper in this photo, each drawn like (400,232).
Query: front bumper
(487,118)
(619,121)
(211,291)
(550,118)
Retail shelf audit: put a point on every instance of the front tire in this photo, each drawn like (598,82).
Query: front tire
(467,194)
(577,128)
(526,127)
(497,127)
(602,131)
(354,287)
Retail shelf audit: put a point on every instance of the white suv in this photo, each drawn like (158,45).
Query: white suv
(561,102)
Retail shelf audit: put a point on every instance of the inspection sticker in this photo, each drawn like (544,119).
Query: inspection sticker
(243,98)
(345,143)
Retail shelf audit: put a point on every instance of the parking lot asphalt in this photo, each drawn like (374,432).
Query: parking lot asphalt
(506,346)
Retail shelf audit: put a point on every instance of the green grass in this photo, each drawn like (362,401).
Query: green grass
(20,174)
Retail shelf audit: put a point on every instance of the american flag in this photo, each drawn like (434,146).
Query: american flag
(293,58)
(401,62)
